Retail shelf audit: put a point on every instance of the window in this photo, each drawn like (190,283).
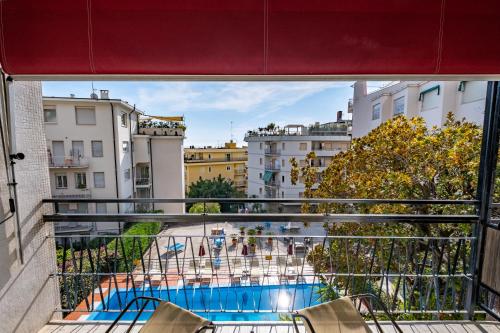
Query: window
(99,180)
(399,106)
(209,169)
(228,157)
(303,146)
(125,146)
(126,174)
(97,149)
(101,208)
(473,91)
(228,168)
(282,146)
(260,161)
(376,112)
(77,148)
(260,190)
(61,181)
(80,180)
(282,163)
(282,194)
(429,98)
(58,149)
(123,119)
(85,116)
(282,179)
(260,146)
(49,114)
(209,156)
(260,175)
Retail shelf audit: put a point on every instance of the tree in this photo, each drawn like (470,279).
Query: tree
(209,207)
(401,159)
(215,188)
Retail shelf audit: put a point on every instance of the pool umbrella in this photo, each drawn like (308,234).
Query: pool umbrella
(290,249)
(201,251)
(244,252)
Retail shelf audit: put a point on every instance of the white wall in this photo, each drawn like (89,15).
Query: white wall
(168,171)
(66,129)
(449,99)
(292,149)
(28,296)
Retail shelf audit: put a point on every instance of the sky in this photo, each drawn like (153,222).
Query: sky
(210,107)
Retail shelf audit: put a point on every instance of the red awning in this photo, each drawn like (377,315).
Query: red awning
(250,37)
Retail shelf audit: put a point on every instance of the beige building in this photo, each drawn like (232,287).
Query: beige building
(229,162)
(97,148)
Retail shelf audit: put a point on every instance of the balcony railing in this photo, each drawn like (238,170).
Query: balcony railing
(143,181)
(239,171)
(272,167)
(273,183)
(225,275)
(272,151)
(209,160)
(68,162)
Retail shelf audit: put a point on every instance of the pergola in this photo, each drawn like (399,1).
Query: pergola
(266,40)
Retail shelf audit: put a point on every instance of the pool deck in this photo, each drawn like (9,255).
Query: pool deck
(407,327)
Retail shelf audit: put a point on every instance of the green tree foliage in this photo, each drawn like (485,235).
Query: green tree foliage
(218,187)
(120,255)
(209,207)
(401,159)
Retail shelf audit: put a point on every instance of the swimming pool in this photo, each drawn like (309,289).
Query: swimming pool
(239,303)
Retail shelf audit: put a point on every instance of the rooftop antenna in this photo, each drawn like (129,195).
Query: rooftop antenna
(93,95)
(232,137)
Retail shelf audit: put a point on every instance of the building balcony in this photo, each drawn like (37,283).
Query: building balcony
(68,162)
(213,160)
(273,167)
(272,152)
(277,272)
(240,171)
(240,183)
(143,182)
(273,183)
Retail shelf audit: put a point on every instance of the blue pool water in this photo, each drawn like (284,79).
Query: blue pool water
(271,299)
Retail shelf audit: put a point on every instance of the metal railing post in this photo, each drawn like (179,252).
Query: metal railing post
(485,187)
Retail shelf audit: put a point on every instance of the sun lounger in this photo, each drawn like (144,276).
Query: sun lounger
(167,318)
(340,316)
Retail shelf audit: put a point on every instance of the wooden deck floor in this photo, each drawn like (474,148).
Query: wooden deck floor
(408,327)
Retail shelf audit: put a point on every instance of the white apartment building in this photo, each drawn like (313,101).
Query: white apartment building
(269,155)
(96,149)
(432,100)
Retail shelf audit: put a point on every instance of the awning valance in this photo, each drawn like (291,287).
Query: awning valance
(267,176)
(250,37)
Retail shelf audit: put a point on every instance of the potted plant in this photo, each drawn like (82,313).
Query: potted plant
(269,239)
(234,239)
(242,230)
(259,229)
(252,242)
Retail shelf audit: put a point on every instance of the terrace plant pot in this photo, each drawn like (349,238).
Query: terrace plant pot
(270,241)
(234,241)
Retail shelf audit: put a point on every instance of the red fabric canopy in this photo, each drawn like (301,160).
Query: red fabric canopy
(250,37)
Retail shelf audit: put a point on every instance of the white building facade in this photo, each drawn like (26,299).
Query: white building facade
(269,156)
(432,100)
(96,150)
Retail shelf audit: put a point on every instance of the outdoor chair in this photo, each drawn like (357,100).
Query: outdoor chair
(341,316)
(167,318)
